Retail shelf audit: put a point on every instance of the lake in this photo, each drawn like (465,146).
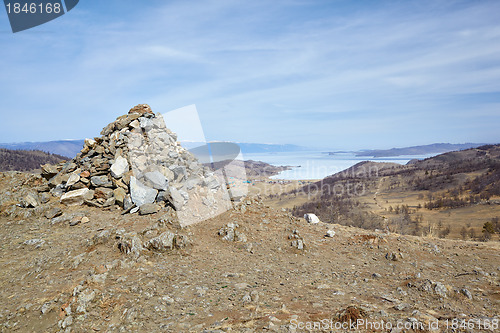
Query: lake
(317,164)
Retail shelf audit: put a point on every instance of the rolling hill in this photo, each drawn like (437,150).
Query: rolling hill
(452,194)
(435,148)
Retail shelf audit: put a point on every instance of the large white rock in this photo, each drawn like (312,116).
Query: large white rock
(74,198)
(311,218)
(73,179)
(90,142)
(119,167)
(140,193)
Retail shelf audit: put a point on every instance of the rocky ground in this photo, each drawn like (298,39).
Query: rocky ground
(108,242)
(251,269)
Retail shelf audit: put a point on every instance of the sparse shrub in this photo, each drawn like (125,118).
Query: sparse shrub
(351,314)
(472,233)
(488,227)
(485,237)
(496,224)
(444,232)
(463,233)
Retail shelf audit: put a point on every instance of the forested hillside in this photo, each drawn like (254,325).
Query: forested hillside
(26,160)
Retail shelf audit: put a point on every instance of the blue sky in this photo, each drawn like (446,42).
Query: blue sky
(333,74)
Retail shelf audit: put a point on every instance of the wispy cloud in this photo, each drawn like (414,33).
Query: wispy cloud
(341,74)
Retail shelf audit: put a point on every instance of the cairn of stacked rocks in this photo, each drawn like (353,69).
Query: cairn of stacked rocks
(138,165)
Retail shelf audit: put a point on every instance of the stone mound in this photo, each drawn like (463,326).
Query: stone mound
(138,165)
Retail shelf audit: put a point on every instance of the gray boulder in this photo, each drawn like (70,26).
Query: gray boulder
(148,208)
(161,243)
(179,171)
(192,182)
(130,244)
(54,212)
(98,181)
(177,198)
(440,289)
(31,200)
(156,180)
(146,123)
(101,237)
(212,183)
(49,171)
(140,193)
(36,242)
(127,203)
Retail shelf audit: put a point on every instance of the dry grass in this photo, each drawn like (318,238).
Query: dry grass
(351,314)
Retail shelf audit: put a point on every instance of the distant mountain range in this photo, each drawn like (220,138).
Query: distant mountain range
(67,148)
(70,148)
(435,148)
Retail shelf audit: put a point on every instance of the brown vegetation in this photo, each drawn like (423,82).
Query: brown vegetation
(26,160)
(447,183)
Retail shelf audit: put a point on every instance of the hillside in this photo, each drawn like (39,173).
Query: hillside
(449,195)
(435,148)
(123,239)
(251,269)
(26,160)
